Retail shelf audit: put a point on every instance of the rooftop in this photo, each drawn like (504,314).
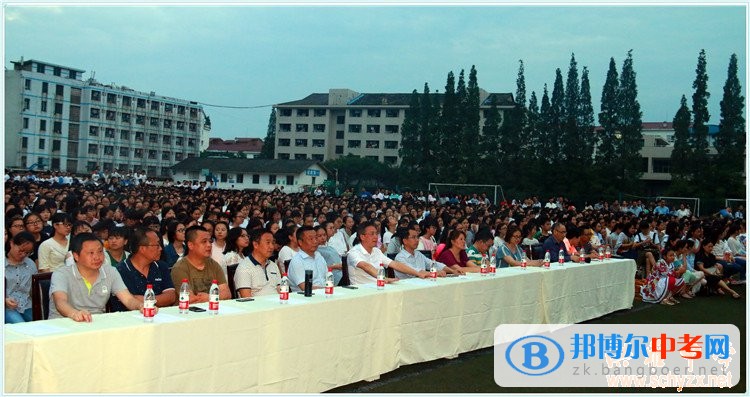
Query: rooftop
(260,166)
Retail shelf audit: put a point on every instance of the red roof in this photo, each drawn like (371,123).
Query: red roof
(237,145)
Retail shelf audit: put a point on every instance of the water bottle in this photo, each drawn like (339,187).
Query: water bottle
(546,260)
(329,283)
(213,298)
(381,277)
(493,266)
(607,252)
(561,256)
(184,296)
(484,268)
(433,271)
(582,255)
(284,290)
(601,253)
(727,254)
(524,261)
(149,304)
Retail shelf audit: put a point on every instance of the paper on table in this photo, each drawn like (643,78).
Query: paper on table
(37,328)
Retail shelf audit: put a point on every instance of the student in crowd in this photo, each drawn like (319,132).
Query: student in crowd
(18,271)
(118,237)
(176,247)
(53,251)
(236,249)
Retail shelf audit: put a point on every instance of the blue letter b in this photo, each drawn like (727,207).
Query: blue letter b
(534,350)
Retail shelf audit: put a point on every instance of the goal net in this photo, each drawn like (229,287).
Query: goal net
(691,203)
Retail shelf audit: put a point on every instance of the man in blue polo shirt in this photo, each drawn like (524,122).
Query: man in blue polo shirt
(142,268)
(557,242)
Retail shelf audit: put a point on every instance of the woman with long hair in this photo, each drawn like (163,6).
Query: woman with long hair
(34,225)
(706,262)
(18,271)
(237,248)
(218,246)
(176,247)
(454,254)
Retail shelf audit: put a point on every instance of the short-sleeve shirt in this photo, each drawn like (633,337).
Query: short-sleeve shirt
(507,251)
(359,254)
(158,277)
(416,261)
(447,257)
(67,279)
(199,280)
(52,255)
(301,261)
(261,280)
(18,282)
(474,255)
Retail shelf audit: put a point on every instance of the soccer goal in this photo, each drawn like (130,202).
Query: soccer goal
(692,203)
(734,203)
(467,189)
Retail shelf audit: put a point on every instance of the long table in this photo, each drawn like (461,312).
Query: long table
(309,345)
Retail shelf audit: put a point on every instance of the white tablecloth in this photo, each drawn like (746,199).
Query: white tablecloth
(310,345)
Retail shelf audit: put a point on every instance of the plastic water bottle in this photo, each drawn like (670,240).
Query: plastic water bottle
(381,277)
(561,256)
(546,260)
(493,266)
(601,253)
(433,271)
(524,261)
(484,267)
(608,252)
(149,304)
(582,255)
(213,298)
(284,290)
(329,283)
(727,254)
(184,296)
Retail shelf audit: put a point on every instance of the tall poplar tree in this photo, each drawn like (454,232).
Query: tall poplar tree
(471,121)
(555,132)
(699,138)
(411,146)
(730,141)
(429,135)
(543,128)
(630,124)
(450,133)
(269,143)
(680,167)
(608,119)
(586,135)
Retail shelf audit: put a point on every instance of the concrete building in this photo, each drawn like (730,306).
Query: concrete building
(248,148)
(327,126)
(56,120)
(293,176)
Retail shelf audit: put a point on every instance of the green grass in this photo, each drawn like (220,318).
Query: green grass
(473,372)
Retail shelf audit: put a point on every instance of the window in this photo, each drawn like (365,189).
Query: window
(41,143)
(154,105)
(25,122)
(340,119)
(40,68)
(180,110)
(153,138)
(391,113)
(111,99)
(140,103)
(167,123)
(372,144)
(391,144)
(317,157)
(373,129)
(25,143)
(93,130)
(109,133)
(354,144)
(44,106)
(178,156)
(373,112)
(285,127)
(154,122)
(58,108)
(339,149)
(26,103)
(166,140)
(94,114)
(355,128)
(339,134)
(45,87)
(138,153)
(303,112)
(391,129)
(59,90)
(272,179)
(125,117)
(93,148)
(290,179)
(166,155)
(125,135)
(301,127)
(193,113)
(55,165)
(42,125)
(57,71)
(56,145)
(27,84)
(74,113)
(300,142)
(111,115)
(319,112)
(124,151)
(285,112)
(72,132)
(140,119)
(96,96)
(283,156)
(75,95)
(355,112)
(318,143)
(240,178)
(139,136)
(109,150)
(256,178)
(181,125)
(390,159)
(191,142)
(72,149)
(179,141)
(319,128)
(192,127)
(72,74)
(284,142)
(126,101)
(152,154)
(168,108)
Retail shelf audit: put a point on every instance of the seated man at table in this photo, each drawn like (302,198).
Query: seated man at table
(142,268)
(83,289)
(259,275)
(557,242)
(483,240)
(413,258)
(307,258)
(198,267)
(364,259)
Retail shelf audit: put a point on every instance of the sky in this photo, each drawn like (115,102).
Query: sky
(253,55)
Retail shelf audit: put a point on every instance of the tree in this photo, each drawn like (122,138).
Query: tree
(521,112)
(269,143)
(680,159)
(555,130)
(471,121)
(411,146)
(608,119)
(586,137)
(490,142)
(569,129)
(699,141)
(429,136)
(730,141)
(449,133)
(630,123)
(543,129)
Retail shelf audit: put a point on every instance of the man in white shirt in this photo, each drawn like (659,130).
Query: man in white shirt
(364,259)
(307,258)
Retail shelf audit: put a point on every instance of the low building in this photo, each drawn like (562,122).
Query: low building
(248,148)
(293,176)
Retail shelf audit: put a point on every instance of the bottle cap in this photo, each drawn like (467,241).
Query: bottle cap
(213,281)
(149,286)
(330,269)
(184,280)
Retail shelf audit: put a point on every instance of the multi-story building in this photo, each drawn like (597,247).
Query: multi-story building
(248,148)
(327,126)
(56,120)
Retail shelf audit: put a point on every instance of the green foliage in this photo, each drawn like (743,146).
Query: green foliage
(605,152)
(699,138)
(269,143)
(680,161)
(731,139)
(627,149)
(355,171)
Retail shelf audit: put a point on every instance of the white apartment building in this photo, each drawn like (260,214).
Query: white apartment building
(56,120)
(327,126)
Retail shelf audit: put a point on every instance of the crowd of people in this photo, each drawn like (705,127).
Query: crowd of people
(105,241)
